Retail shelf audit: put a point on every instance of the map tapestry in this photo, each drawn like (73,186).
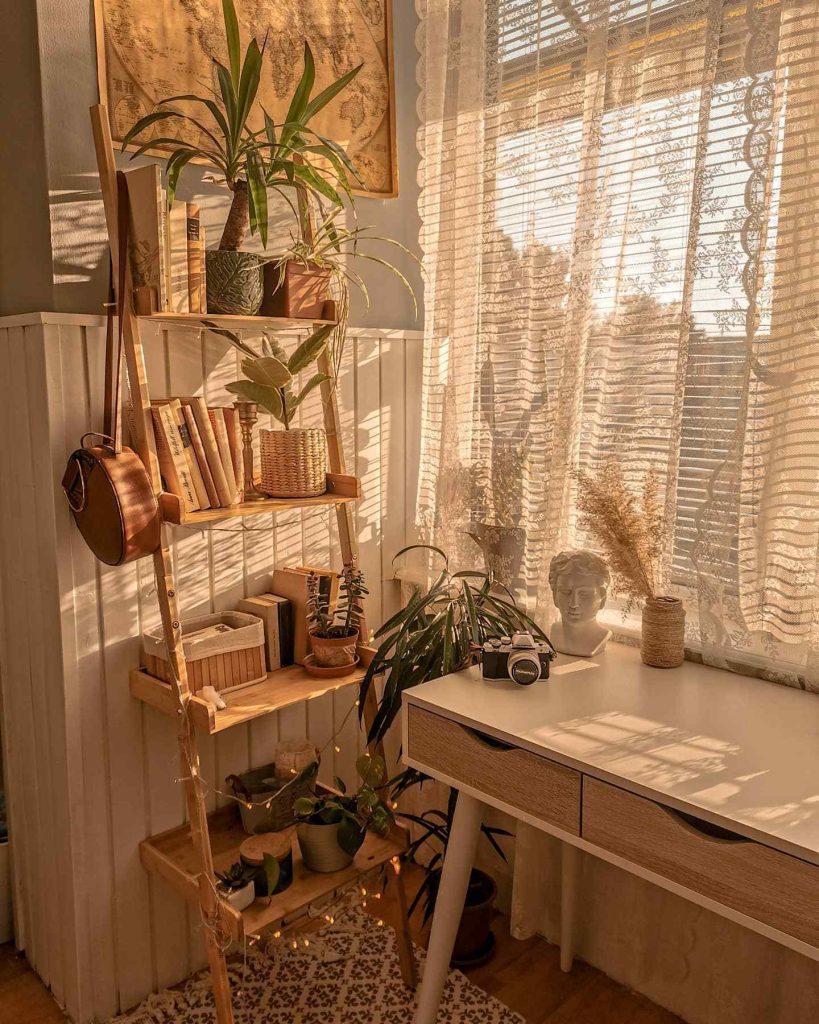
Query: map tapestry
(150,49)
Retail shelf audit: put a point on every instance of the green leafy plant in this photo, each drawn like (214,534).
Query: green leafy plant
(270,377)
(236,877)
(354,814)
(341,623)
(252,162)
(437,632)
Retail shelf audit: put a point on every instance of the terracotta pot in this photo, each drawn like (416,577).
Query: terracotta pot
(234,282)
(319,848)
(662,643)
(473,936)
(336,651)
(298,290)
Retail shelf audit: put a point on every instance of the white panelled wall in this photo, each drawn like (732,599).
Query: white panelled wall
(89,770)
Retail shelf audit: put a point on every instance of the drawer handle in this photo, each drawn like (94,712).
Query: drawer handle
(706,828)
(487,741)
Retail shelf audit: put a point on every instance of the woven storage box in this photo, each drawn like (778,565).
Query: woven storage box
(294,462)
(265,787)
(225,661)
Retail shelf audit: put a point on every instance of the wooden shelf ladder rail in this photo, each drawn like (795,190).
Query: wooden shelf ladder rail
(211,905)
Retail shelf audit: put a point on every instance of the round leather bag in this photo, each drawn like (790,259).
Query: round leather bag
(113,503)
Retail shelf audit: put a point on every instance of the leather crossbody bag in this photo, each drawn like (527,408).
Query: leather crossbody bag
(107,486)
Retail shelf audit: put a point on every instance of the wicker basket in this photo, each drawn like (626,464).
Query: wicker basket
(225,661)
(271,796)
(663,634)
(294,462)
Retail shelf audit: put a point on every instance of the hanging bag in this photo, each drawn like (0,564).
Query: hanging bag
(107,486)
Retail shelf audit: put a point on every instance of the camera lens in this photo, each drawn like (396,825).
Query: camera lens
(524,667)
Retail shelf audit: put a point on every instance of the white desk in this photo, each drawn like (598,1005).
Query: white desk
(703,782)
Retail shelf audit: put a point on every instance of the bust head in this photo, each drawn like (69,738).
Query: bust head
(579,581)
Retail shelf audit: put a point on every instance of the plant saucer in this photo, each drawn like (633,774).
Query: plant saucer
(328,671)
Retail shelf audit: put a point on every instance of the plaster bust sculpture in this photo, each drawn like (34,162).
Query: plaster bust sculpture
(580,582)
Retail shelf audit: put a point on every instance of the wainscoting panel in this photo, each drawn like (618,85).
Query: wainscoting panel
(90,772)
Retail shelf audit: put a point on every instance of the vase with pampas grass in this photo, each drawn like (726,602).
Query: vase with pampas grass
(630,529)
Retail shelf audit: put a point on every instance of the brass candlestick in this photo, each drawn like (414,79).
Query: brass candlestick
(248,414)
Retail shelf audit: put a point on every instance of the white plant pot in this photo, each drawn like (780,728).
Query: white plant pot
(240,899)
(319,848)
(6,917)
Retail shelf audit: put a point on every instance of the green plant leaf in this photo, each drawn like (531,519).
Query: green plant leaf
(310,349)
(324,97)
(304,806)
(257,194)
(317,182)
(248,85)
(233,43)
(272,871)
(301,96)
(228,101)
(267,370)
(339,784)
(174,167)
(372,769)
(350,836)
(315,381)
(147,121)
(268,398)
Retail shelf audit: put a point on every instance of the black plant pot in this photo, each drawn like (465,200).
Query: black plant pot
(474,942)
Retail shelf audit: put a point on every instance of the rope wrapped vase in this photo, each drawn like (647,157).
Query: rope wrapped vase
(294,462)
(663,635)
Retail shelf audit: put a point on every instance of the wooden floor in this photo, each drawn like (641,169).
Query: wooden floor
(526,976)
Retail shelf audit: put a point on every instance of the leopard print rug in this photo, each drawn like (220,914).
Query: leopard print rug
(348,974)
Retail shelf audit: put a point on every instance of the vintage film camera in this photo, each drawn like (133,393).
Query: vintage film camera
(520,658)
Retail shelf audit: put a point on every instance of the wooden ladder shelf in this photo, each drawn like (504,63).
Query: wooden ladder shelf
(186,857)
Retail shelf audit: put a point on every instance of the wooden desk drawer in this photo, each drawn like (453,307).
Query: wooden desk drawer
(546,790)
(769,886)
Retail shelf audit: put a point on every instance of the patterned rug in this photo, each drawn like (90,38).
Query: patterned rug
(348,974)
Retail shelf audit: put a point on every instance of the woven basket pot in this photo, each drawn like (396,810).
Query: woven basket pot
(335,651)
(294,462)
(662,642)
(235,282)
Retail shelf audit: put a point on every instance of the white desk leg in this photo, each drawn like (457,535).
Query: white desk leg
(460,856)
(570,863)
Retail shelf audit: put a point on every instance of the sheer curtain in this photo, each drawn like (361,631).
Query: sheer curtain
(620,207)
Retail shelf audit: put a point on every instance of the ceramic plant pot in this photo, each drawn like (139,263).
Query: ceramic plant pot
(294,462)
(662,643)
(503,549)
(297,290)
(235,282)
(474,941)
(336,652)
(319,848)
(240,899)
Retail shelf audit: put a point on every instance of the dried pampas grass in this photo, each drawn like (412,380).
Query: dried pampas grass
(629,528)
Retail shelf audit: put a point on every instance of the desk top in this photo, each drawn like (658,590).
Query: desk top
(737,751)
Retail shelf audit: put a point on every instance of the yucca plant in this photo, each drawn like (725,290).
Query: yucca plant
(252,162)
(270,377)
(438,632)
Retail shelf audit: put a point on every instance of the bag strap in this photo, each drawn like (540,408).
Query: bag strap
(113,352)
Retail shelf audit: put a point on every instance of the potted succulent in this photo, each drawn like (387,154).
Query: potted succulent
(334,635)
(236,886)
(293,460)
(332,826)
(251,161)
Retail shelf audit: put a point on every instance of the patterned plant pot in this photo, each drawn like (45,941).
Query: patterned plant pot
(294,462)
(503,548)
(319,848)
(235,282)
(662,644)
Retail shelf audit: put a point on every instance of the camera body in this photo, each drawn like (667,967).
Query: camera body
(520,658)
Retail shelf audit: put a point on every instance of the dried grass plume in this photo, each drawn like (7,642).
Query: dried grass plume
(627,527)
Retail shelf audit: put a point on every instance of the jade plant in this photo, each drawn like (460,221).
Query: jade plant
(343,620)
(270,378)
(353,814)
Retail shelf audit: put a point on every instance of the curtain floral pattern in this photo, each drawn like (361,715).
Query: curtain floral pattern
(620,207)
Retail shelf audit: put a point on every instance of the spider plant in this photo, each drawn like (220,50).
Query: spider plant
(252,162)
(438,632)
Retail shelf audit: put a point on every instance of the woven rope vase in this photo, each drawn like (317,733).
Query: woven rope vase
(294,462)
(662,643)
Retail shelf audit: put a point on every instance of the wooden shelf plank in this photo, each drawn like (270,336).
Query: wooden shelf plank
(171,856)
(340,488)
(231,322)
(280,689)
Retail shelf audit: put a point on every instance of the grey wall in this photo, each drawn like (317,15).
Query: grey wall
(52,245)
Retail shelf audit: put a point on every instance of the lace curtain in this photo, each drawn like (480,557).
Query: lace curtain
(621,233)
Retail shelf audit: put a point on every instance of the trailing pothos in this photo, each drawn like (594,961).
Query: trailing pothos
(438,632)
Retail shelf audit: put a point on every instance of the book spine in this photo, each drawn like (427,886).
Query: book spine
(203,241)
(190,455)
(235,444)
(284,610)
(173,441)
(178,258)
(195,258)
(162,228)
(201,457)
(220,430)
(206,432)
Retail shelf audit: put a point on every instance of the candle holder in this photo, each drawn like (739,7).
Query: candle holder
(248,414)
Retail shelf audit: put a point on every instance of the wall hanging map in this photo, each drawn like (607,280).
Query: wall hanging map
(150,49)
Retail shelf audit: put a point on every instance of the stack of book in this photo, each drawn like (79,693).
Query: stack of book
(199,451)
(167,247)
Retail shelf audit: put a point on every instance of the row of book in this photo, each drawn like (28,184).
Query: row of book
(199,451)
(167,247)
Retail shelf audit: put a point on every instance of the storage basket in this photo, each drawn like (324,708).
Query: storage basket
(294,462)
(263,786)
(224,661)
